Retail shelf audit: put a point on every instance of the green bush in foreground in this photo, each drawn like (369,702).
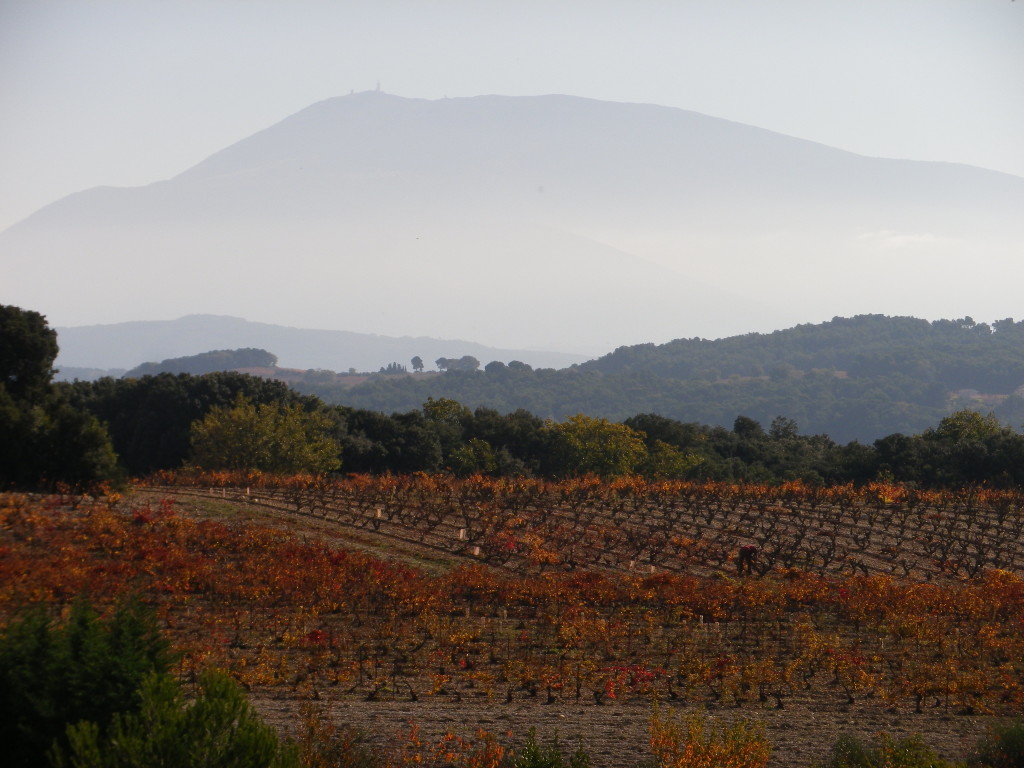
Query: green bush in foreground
(1003,747)
(219,729)
(536,755)
(87,668)
(911,752)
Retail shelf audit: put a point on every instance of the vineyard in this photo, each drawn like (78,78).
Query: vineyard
(529,526)
(579,601)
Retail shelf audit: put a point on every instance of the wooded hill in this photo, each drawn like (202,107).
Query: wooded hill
(858,378)
(208,362)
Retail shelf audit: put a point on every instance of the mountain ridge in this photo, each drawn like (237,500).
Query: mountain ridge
(197,170)
(127,345)
(548,221)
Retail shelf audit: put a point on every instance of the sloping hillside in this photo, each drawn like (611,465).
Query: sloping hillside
(859,378)
(959,354)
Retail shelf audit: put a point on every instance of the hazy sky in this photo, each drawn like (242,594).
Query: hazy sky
(102,92)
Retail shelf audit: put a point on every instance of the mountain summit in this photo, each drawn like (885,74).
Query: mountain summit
(544,222)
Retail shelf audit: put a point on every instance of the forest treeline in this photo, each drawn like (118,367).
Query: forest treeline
(100,430)
(858,378)
(150,422)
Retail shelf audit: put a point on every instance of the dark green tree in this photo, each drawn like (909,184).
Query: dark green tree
(376,442)
(44,439)
(495,368)
(447,419)
(217,729)
(72,447)
(149,419)
(656,427)
(28,347)
(475,456)
(667,462)
(521,442)
(1002,747)
(88,668)
(747,428)
(464,363)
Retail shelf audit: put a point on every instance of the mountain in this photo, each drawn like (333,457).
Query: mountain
(126,345)
(547,222)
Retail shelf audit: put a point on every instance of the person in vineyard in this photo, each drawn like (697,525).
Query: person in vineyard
(746,558)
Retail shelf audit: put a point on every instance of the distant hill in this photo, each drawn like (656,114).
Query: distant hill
(83,373)
(958,354)
(859,378)
(533,222)
(127,345)
(208,362)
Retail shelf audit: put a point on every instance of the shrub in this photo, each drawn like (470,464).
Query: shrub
(1003,747)
(536,755)
(219,729)
(88,668)
(911,752)
(322,744)
(694,742)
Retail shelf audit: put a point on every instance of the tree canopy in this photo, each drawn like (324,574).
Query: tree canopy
(28,347)
(150,418)
(586,445)
(44,438)
(269,437)
(87,668)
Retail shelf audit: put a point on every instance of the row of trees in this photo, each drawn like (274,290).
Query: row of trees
(235,421)
(956,353)
(464,363)
(70,432)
